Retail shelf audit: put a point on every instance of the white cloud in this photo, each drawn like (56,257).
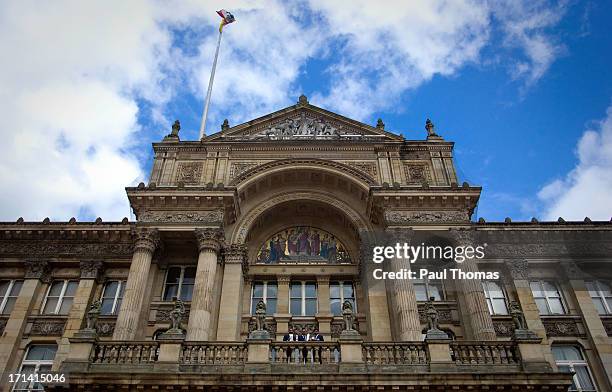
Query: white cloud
(587,189)
(75,75)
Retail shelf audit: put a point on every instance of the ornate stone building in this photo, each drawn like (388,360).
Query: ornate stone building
(270,226)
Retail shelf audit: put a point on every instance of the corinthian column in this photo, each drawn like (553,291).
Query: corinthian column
(209,243)
(405,310)
(477,311)
(129,316)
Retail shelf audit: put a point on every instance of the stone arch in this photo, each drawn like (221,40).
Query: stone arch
(346,171)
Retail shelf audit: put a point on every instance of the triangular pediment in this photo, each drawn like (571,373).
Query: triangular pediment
(303,122)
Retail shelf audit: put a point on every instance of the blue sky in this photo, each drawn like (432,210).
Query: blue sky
(522,88)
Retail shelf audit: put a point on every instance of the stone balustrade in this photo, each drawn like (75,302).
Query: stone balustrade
(395,353)
(213,353)
(485,353)
(125,352)
(305,352)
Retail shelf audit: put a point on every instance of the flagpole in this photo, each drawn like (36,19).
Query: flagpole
(209,92)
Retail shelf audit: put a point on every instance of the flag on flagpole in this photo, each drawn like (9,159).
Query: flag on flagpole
(227,18)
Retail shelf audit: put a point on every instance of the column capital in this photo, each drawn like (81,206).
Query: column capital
(463,236)
(146,239)
(235,253)
(323,279)
(519,269)
(92,269)
(209,239)
(283,279)
(38,269)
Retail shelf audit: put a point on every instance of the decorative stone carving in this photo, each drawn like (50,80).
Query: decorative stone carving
(235,254)
(260,331)
(432,316)
(503,328)
(146,239)
(189,172)
(409,217)
(444,315)
(430,128)
(92,314)
(299,325)
(176,315)
(57,249)
(92,269)
(210,216)
(237,168)
(563,327)
(269,325)
(519,269)
(306,127)
(38,269)
(369,168)
(164,316)
(105,328)
(174,135)
(518,318)
(209,239)
(43,327)
(336,328)
(348,316)
(417,173)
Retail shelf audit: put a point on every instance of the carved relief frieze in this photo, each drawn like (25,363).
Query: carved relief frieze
(369,168)
(503,328)
(444,315)
(269,325)
(209,216)
(48,327)
(337,326)
(92,269)
(189,172)
(38,269)
(105,327)
(55,249)
(408,217)
(237,168)
(561,327)
(417,173)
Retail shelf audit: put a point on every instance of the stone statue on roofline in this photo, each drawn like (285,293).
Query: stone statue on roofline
(174,134)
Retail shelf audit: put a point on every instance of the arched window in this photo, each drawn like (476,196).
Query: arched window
(38,359)
(569,358)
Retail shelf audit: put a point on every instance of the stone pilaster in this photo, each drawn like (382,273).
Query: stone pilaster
(477,311)
(324,315)
(209,243)
(282,315)
(128,319)
(36,273)
(91,274)
(376,302)
(230,310)
(404,304)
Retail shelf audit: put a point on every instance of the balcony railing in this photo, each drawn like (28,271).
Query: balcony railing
(305,352)
(125,352)
(213,353)
(488,353)
(394,353)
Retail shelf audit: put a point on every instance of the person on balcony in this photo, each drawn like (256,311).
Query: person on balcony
(316,336)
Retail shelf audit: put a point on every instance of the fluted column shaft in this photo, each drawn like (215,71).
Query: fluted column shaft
(477,310)
(128,319)
(209,243)
(405,309)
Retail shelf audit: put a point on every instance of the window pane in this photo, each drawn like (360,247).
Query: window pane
(604,288)
(334,290)
(609,301)
(122,290)
(272,290)
(419,290)
(499,306)
(254,305)
(27,370)
(311,306)
(111,289)
(566,353)
(71,288)
(296,290)
(555,306)
(171,292)
(536,289)
(599,305)
(56,288)
(258,290)
(435,290)
(296,307)
(186,292)
(550,289)
(335,307)
(4,285)
(65,306)
(348,290)
(584,379)
(189,276)
(118,306)
(541,302)
(310,289)
(10,304)
(50,306)
(495,290)
(41,352)
(590,286)
(174,275)
(16,288)
(107,306)
(270,306)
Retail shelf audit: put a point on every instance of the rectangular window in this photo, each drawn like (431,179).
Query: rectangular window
(601,295)
(266,291)
(340,292)
(9,291)
(179,283)
(547,297)
(60,296)
(112,296)
(495,296)
(38,359)
(303,298)
(570,359)
(428,288)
